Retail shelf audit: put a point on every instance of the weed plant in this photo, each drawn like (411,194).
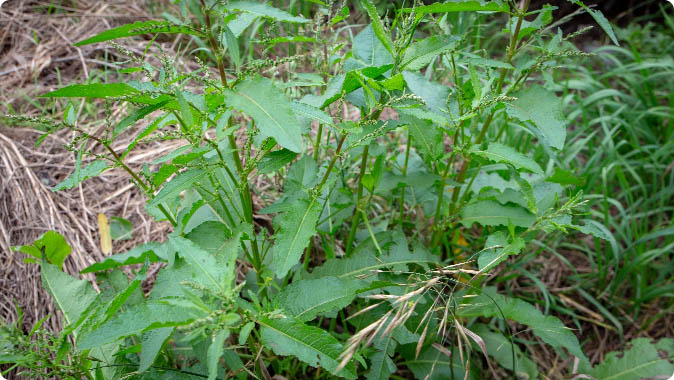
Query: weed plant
(368,267)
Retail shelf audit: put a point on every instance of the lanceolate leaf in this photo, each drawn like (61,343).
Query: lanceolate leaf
(492,213)
(500,348)
(138,28)
(314,346)
(378,26)
(497,249)
(153,252)
(420,53)
(312,113)
(91,170)
(460,6)
(71,296)
(296,226)
(306,299)
(502,153)
(181,182)
(600,19)
(215,351)
(426,137)
(271,110)
(544,109)
(136,320)
(368,48)
(640,361)
(94,90)
(263,10)
(550,329)
(152,343)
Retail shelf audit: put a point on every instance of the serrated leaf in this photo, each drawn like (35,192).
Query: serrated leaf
(306,299)
(421,53)
(295,226)
(426,137)
(368,48)
(214,270)
(181,182)
(136,320)
(492,213)
(151,343)
(271,110)
(459,6)
(500,348)
(274,161)
(381,364)
(71,296)
(136,116)
(56,249)
(600,19)
(640,361)
(232,45)
(378,27)
(312,345)
(94,90)
(433,94)
(139,28)
(154,252)
(264,10)
(550,329)
(502,153)
(544,109)
(93,169)
(215,351)
(312,113)
(497,249)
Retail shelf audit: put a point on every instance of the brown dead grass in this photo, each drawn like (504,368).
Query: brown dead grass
(28,207)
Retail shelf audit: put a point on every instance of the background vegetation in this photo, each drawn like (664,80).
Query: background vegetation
(614,292)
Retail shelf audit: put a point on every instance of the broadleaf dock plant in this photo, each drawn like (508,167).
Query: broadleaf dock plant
(364,271)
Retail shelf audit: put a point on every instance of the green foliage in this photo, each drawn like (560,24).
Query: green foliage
(362,271)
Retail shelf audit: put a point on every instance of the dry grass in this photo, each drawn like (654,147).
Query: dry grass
(28,207)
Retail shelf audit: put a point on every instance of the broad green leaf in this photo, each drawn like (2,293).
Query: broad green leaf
(600,19)
(185,109)
(71,296)
(232,45)
(151,344)
(271,110)
(273,161)
(312,345)
(433,94)
(261,9)
(497,249)
(426,137)
(306,299)
(363,262)
(93,169)
(136,116)
(56,249)
(295,226)
(138,28)
(213,270)
(120,228)
(378,27)
(640,361)
(550,329)
(544,109)
(434,365)
(215,351)
(210,236)
(137,320)
(421,53)
(565,177)
(459,6)
(94,90)
(312,113)
(492,213)
(181,182)
(502,153)
(381,364)
(154,252)
(368,48)
(500,348)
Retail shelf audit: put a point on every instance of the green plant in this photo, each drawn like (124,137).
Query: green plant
(364,270)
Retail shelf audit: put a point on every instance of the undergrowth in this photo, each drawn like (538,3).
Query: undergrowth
(412,161)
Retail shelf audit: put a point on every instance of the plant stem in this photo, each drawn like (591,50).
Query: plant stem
(402,191)
(355,220)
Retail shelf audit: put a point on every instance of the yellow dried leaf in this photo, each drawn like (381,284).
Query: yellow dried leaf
(104,231)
